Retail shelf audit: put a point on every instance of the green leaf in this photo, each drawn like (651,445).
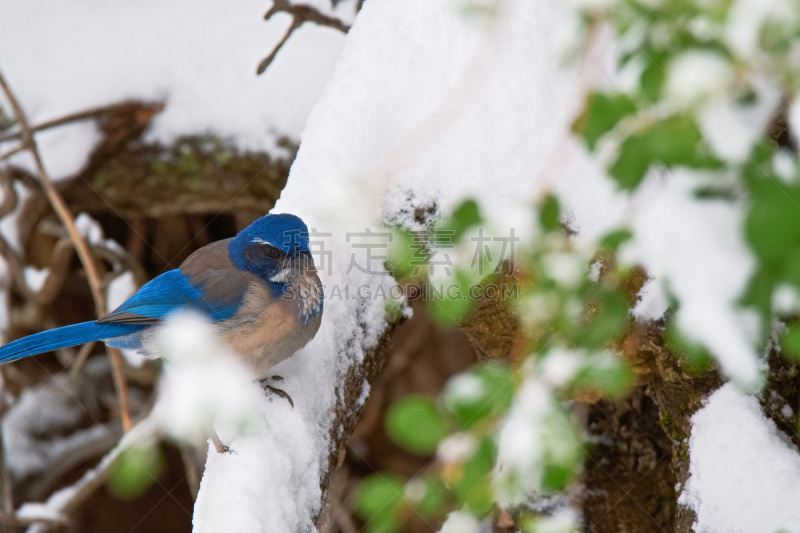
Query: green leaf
(790,343)
(556,476)
(772,227)
(414,423)
(404,253)
(791,267)
(609,320)
(434,498)
(474,488)
(613,240)
(465,216)
(696,355)
(632,163)
(484,390)
(550,213)
(654,75)
(377,501)
(562,449)
(603,111)
(676,140)
(609,375)
(134,471)
(758,293)
(451,303)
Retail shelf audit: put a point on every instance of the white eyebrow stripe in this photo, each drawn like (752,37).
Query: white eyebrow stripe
(282,276)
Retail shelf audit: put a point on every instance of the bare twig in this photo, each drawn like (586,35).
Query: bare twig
(20,521)
(13,260)
(77,116)
(267,61)
(12,152)
(80,360)
(300,13)
(63,213)
(56,273)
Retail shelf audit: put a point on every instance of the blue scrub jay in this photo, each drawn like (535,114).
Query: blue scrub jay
(260,290)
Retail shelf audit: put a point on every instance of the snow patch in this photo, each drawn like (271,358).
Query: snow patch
(200,57)
(744,475)
(698,249)
(652,303)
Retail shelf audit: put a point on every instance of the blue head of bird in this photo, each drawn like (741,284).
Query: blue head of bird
(275,248)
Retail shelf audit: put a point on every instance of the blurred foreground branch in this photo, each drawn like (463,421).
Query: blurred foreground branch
(66,501)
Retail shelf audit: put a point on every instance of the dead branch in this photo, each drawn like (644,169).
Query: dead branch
(12,152)
(63,213)
(300,13)
(13,260)
(22,521)
(77,116)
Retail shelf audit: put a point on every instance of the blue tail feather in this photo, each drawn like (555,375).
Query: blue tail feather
(63,337)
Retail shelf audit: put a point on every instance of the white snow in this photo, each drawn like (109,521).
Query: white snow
(89,228)
(519,469)
(119,290)
(784,165)
(364,396)
(793,118)
(35,277)
(28,417)
(425,104)
(732,128)
(746,19)
(464,387)
(144,433)
(744,474)
(566,520)
(461,522)
(595,269)
(566,268)
(559,366)
(203,384)
(697,248)
(39,511)
(697,76)
(651,303)
(198,56)
(785,299)
(456,447)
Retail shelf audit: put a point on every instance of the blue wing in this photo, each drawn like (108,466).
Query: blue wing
(170,292)
(206,282)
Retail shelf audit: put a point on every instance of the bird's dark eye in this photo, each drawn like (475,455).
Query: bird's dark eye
(262,250)
(271,251)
